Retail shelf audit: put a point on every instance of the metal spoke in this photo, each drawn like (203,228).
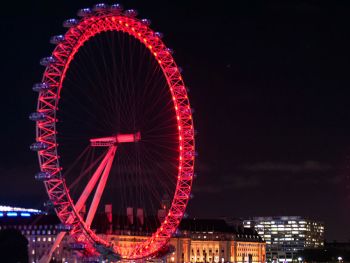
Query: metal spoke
(101,186)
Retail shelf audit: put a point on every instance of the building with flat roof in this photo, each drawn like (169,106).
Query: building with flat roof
(39,228)
(196,240)
(286,236)
(206,240)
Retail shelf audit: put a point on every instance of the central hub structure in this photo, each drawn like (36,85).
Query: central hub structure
(114,140)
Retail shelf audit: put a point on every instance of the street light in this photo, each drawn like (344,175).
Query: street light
(340,259)
(300,259)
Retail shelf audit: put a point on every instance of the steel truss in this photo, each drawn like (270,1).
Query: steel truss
(48,101)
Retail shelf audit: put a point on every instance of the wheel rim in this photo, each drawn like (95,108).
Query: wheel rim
(48,101)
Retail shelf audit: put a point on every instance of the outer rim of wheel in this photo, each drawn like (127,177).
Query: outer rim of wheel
(48,101)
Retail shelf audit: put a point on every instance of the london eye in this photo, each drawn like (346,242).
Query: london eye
(114,125)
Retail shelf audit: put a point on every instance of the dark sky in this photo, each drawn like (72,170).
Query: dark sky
(270,87)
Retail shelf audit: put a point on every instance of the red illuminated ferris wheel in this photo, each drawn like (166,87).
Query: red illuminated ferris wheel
(113,116)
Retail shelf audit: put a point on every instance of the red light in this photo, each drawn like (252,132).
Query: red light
(102,23)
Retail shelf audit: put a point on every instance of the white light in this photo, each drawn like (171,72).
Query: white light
(340,258)
(4,208)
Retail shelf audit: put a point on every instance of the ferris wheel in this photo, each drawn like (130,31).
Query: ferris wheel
(114,125)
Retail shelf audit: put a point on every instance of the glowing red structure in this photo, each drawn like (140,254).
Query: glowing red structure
(104,19)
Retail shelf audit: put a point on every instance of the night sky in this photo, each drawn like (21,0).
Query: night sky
(269,84)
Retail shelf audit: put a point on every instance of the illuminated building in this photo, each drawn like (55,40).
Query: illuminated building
(196,240)
(39,229)
(286,236)
(208,241)
(216,241)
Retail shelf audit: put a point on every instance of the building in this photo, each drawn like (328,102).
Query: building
(286,236)
(40,230)
(196,240)
(200,240)
(216,241)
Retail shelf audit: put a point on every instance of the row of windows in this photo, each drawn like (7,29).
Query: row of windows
(247,249)
(38,231)
(28,227)
(42,239)
(247,245)
(205,251)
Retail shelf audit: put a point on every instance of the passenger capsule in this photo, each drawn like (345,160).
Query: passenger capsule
(116,8)
(130,13)
(159,34)
(185,110)
(49,204)
(84,12)
(187,174)
(189,154)
(38,146)
(169,50)
(77,246)
(146,22)
(47,61)
(173,70)
(100,7)
(57,39)
(42,86)
(43,176)
(70,22)
(191,196)
(37,116)
(188,132)
(180,69)
(64,227)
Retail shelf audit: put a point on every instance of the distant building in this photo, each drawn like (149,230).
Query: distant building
(216,241)
(196,240)
(286,236)
(200,240)
(39,229)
